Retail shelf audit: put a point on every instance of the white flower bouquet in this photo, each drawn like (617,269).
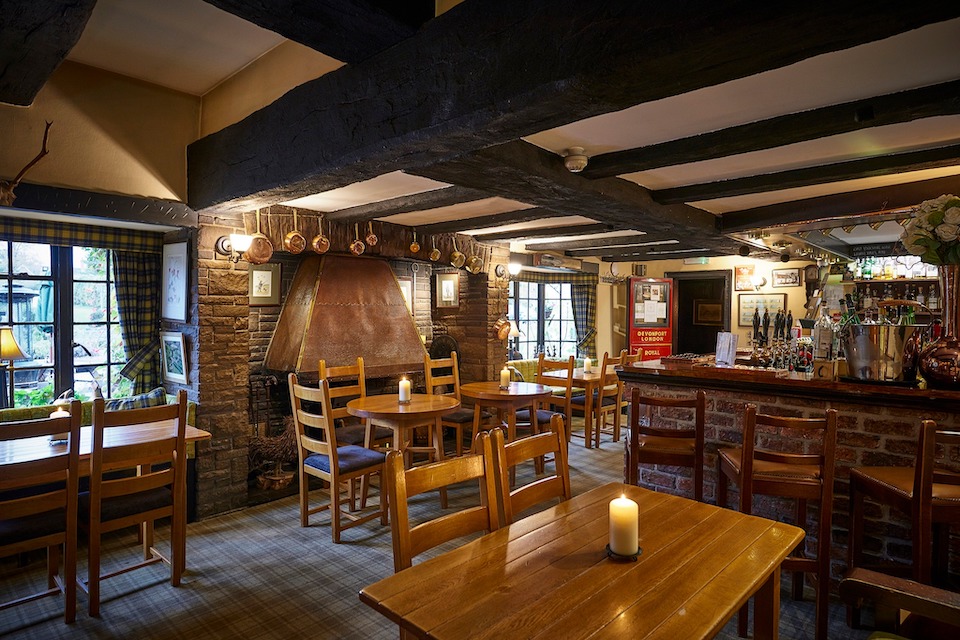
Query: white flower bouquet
(934,232)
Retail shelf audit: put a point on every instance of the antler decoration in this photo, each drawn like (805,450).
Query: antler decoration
(7,186)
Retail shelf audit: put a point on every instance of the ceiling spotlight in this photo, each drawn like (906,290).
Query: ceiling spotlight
(575,160)
(744,250)
(784,257)
(876,224)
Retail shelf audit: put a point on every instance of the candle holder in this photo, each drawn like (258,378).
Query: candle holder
(504,387)
(616,557)
(407,401)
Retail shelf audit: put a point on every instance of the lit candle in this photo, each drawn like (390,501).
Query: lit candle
(60,413)
(587,365)
(404,390)
(504,378)
(624,526)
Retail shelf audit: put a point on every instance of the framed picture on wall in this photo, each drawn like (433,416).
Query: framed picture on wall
(786,277)
(448,290)
(406,288)
(743,277)
(264,285)
(174,357)
(748,302)
(175,282)
(708,313)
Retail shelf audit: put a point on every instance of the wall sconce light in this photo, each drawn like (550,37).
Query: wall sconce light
(233,246)
(514,268)
(10,350)
(757,282)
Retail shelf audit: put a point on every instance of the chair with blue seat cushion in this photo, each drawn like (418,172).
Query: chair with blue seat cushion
(606,401)
(157,488)
(348,382)
(442,376)
(38,508)
(321,456)
(559,403)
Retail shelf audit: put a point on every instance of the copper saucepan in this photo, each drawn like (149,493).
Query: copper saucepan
(320,244)
(294,242)
(261,249)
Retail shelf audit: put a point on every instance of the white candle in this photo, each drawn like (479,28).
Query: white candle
(624,526)
(587,365)
(504,378)
(60,413)
(404,390)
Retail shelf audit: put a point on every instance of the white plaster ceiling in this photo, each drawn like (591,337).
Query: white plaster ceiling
(395,184)
(463,211)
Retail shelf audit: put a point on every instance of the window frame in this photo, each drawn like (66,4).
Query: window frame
(540,342)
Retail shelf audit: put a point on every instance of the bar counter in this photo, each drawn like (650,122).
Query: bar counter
(878,425)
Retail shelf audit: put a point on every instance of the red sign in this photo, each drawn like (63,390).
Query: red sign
(651,320)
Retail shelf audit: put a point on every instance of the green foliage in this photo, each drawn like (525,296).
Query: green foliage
(34,397)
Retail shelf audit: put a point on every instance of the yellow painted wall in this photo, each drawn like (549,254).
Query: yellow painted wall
(260,83)
(110,134)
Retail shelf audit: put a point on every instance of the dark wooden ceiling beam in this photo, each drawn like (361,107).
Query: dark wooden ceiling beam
(405,204)
(863,168)
(544,232)
(348,30)
(90,204)
(618,251)
(488,222)
(906,106)
(615,241)
(838,206)
(35,37)
(479,75)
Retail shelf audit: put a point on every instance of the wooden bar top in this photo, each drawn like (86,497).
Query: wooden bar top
(788,384)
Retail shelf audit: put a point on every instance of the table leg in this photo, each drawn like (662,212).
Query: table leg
(588,416)
(438,449)
(766,608)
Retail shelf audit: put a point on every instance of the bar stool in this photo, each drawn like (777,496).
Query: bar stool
(803,476)
(928,492)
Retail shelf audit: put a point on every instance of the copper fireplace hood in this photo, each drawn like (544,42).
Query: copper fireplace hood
(341,307)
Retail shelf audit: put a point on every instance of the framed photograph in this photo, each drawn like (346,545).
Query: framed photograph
(174,356)
(176,275)
(748,302)
(786,277)
(448,290)
(264,285)
(743,278)
(406,288)
(708,313)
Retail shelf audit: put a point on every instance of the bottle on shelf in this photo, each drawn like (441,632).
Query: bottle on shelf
(921,298)
(867,269)
(823,330)
(933,299)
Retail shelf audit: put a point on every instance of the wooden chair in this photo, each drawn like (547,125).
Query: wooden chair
(334,463)
(509,455)
(38,505)
(652,441)
(563,394)
(158,490)
(606,402)
(903,607)
(803,476)
(346,383)
(928,492)
(445,372)
(401,485)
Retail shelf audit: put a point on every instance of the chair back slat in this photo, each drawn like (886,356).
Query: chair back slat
(645,411)
(567,366)
(346,382)
(643,406)
(321,422)
(802,424)
(136,484)
(443,372)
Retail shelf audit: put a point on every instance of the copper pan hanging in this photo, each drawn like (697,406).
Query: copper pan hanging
(320,243)
(261,249)
(294,242)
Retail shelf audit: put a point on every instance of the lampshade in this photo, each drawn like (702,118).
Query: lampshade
(9,349)
(240,242)
(514,268)
(514,330)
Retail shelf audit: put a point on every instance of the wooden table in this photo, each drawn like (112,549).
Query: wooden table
(507,401)
(547,576)
(423,409)
(589,382)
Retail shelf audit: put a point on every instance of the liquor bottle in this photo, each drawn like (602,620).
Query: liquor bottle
(852,316)
(933,299)
(867,300)
(823,336)
(867,271)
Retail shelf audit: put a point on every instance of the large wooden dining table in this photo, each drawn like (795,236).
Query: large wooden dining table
(547,576)
(517,395)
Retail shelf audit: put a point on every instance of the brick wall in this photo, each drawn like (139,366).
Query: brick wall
(869,434)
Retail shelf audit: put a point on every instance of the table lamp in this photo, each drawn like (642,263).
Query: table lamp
(10,350)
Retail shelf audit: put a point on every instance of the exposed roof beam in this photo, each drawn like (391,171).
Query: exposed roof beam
(850,204)
(465,81)
(619,251)
(850,170)
(405,204)
(488,222)
(906,106)
(348,30)
(77,202)
(544,232)
(593,243)
(35,38)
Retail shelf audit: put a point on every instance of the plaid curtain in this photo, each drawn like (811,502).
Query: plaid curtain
(583,290)
(137,277)
(64,234)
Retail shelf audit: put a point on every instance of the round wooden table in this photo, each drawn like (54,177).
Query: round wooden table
(519,395)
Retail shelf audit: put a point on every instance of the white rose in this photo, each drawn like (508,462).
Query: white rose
(910,238)
(952,215)
(948,232)
(923,220)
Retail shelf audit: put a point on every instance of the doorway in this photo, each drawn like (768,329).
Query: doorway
(701,309)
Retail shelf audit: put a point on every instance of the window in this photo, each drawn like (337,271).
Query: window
(544,315)
(62,306)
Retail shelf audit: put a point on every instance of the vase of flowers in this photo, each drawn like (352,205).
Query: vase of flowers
(934,234)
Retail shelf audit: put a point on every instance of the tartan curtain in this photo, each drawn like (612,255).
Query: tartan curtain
(583,290)
(137,278)
(65,234)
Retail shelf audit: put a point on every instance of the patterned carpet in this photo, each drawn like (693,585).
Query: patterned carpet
(257,574)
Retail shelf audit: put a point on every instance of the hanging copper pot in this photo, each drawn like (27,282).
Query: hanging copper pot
(474,263)
(371,238)
(320,244)
(261,249)
(435,253)
(294,242)
(456,258)
(356,247)
(414,246)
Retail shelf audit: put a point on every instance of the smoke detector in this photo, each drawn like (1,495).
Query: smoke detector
(575,160)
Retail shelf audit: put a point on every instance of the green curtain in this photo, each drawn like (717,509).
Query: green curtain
(583,291)
(137,280)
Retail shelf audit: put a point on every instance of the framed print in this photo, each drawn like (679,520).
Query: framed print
(406,288)
(786,277)
(174,286)
(748,302)
(448,290)
(708,313)
(651,303)
(264,285)
(743,278)
(174,357)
